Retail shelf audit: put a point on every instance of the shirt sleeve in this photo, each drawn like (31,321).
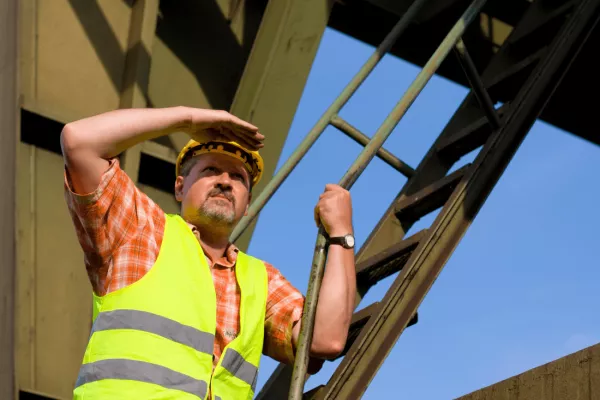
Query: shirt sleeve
(115,214)
(284,310)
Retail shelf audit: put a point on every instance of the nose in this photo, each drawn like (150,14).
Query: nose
(224,181)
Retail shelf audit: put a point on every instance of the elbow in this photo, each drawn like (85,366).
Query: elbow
(69,143)
(328,348)
(74,145)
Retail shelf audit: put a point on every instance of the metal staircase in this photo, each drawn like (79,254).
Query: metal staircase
(522,75)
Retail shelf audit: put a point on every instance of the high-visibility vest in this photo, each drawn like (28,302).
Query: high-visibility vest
(154,338)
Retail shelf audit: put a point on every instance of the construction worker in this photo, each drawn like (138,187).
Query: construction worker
(179,311)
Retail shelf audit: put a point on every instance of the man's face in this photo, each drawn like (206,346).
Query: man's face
(216,191)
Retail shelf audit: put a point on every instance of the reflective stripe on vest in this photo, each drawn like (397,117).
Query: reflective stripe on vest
(240,368)
(142,372)
(155,337)
(152,323)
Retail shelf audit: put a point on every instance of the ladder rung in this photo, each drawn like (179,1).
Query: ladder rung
(363,139)
(313,393)
(359,320)
(387,262)
(517,72)
(430,198)
(539,24)
(467,139)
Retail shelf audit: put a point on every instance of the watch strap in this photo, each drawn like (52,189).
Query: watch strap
(341,240)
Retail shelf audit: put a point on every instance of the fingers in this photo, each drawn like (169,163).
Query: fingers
(334,187)
(327,195)
(243,127)
(241,139)
(240,123)
(243,132)
(224,133)
(233,128)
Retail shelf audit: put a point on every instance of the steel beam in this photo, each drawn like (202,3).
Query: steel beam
(8,147)
(137,71)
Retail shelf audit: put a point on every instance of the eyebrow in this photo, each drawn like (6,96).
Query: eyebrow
(239,169)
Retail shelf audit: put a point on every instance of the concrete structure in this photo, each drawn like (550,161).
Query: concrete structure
(574,377)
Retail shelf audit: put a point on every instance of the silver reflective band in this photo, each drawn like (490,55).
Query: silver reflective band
(148,322)
(240,368)
(143,372)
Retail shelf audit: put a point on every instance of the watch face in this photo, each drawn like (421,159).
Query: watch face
(350,240)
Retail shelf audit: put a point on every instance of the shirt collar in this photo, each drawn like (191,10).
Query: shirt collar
(230,257)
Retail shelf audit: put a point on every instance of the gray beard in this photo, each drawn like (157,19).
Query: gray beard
(217,214)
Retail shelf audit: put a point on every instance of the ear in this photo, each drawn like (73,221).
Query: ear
(179,188)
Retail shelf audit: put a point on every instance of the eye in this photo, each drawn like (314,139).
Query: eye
(237,176)
(210,169)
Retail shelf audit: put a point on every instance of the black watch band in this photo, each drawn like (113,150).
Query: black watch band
(346,241)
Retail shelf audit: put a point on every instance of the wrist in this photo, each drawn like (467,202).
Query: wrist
(183,118)
(340,231)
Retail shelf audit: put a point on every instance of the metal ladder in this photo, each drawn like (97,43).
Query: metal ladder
(523,74)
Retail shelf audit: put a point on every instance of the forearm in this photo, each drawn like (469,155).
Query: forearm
(88,143)
(108,134)
(336,303)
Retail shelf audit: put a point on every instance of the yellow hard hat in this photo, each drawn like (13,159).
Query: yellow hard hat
(209,144)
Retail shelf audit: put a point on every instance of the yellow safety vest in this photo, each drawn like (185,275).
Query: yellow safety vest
(154,339)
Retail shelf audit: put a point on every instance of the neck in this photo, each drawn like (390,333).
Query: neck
(214,241)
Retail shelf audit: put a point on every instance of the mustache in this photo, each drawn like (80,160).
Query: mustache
(220,192)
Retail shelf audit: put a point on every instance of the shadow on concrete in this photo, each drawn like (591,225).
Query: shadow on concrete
(197,32)
(102,37)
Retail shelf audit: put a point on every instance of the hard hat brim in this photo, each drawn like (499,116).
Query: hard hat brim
(252,160)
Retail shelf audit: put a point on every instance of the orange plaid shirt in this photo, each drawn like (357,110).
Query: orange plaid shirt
(120,230)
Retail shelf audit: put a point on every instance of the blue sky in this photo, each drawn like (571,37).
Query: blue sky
(520,289)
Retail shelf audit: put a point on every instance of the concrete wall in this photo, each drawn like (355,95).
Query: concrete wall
(72,65)
(574,377)
(54,300)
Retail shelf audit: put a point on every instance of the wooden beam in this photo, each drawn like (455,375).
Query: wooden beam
(137,71)
(8,147)
(276,73)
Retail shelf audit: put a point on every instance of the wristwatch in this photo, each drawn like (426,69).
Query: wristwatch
(346,241)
